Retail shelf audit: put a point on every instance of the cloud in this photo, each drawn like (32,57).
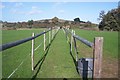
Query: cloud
(18,4)
(60,3)
(57,4)
(34,7)
(35,10)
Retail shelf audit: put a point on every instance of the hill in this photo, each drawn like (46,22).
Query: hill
(48,23)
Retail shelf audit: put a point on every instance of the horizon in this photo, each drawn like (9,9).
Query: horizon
(24,11)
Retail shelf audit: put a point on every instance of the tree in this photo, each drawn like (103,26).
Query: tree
(66,23)
(101,15)
(77,19)
(30,23)
(110,21)
(88,24)
(55,20)
(119,4)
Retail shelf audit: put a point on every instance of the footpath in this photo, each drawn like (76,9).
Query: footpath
(58,62)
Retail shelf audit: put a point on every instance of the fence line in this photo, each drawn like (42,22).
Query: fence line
(12,44)
(9,45)
(39,45)
(27,56)
(32,54)
(97,51)
(88,43)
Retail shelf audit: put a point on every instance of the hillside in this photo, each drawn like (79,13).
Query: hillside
(48,23)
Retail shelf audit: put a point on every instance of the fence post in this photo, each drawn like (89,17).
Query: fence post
(97,56)
(67,37)
(32,54)
(63,30)
(49,37)
(52,33)
(75,46)
(71,40)
(44,41)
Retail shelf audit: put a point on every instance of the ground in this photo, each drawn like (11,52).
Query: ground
(57,61)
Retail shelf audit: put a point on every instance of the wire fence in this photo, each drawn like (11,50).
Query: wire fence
(48,36)
(96,46)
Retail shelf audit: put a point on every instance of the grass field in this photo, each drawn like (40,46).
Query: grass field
(12,57)
(110,50)
(110,40)
(58,62)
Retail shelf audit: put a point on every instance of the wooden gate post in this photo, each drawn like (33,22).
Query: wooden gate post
(44,41)
(97,57)
(32,52)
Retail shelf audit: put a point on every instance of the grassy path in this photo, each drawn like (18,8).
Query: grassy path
(58,62)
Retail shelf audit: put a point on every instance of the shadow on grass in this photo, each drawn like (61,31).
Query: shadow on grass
(40,62)
(85,66)
(75,62)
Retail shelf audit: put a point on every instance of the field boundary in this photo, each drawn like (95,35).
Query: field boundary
(16,43)
(96,46)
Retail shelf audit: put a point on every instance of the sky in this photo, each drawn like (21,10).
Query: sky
(24,11)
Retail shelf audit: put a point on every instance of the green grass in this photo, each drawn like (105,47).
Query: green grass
(12,57)
(110,44)
(58,62)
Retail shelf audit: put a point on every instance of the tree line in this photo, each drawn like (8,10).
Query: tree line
(110,21)
(48,23)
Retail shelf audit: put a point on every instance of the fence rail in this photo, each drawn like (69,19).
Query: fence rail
(12,44)
(97,51)
(52,33)
(88,43)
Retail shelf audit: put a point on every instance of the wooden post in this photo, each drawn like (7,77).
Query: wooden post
(52,33)
(55,31)
(44,41)
(97,57)
(49,37)
(64,31)
(32,54)
(68,38)
(75,46)
(71,40)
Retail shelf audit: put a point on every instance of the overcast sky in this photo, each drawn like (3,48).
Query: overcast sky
(24,11)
